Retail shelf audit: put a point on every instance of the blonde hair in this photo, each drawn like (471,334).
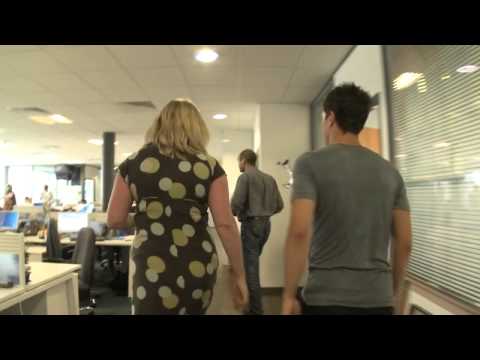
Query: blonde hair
(179,130)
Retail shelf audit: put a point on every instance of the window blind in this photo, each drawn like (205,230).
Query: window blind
(436,130)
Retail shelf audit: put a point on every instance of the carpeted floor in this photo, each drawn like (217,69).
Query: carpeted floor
(110,302)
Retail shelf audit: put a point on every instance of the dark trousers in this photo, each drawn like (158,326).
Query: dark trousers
(255,232)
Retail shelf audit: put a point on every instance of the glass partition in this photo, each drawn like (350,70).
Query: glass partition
(435,106)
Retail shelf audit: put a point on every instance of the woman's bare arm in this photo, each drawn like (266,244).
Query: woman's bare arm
(120,202)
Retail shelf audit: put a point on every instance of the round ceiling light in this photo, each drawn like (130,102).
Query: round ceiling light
(220,116)
(206,56)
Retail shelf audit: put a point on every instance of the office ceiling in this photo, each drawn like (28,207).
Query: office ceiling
(88,83)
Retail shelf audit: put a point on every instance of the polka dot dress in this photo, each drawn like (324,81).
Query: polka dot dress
(175,261)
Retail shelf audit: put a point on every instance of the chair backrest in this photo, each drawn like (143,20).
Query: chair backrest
(54,248)
(84,254)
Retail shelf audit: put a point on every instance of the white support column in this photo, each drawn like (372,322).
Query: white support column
(283,134)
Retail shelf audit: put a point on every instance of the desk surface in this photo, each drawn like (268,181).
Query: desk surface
(126,241)
(35,240)
(42,273)
(36,250)
(7,294)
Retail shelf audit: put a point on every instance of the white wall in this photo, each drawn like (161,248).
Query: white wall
(227,155)
(284,134)
(364,67)
(257,137)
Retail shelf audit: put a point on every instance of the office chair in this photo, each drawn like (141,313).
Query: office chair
(84,254)
(54,248)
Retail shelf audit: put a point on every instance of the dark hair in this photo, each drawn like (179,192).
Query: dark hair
(351,106)
(249,156)
(46,187)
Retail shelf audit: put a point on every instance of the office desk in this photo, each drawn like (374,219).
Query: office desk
(9,297)
(35,253)
(35,240)
(53,290)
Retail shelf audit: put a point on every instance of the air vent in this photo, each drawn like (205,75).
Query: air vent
(138,104)
(35,110)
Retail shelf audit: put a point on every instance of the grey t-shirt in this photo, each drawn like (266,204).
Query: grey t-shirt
(355,191)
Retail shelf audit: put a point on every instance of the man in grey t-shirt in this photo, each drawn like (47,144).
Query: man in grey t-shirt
(346,200)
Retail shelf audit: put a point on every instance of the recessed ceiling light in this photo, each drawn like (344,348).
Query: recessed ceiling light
(405,80)
(60,119)
(99,142)
(226,140)
(441,145)
(468,69)
(220,116)
(43,120)
(206,56)
(445,77)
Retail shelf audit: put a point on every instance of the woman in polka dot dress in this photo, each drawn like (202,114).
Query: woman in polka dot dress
(174,181)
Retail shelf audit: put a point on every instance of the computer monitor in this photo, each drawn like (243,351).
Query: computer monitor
(71,222)
(9,220)
(100,229)
(9,268)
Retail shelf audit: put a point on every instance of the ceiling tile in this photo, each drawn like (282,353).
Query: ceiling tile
(310,78)
(266,77)
(8,49)
(162,93)
(159,78)
(33,62)
(300,95)
(80,97)
(267,56)
(143,56)
(219,75)
(42,99)
(108,80)
(19,84)
(326,57)
(102,109)
(263,94)
(83,58)
(125,94)
(202,93)
(60,82)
